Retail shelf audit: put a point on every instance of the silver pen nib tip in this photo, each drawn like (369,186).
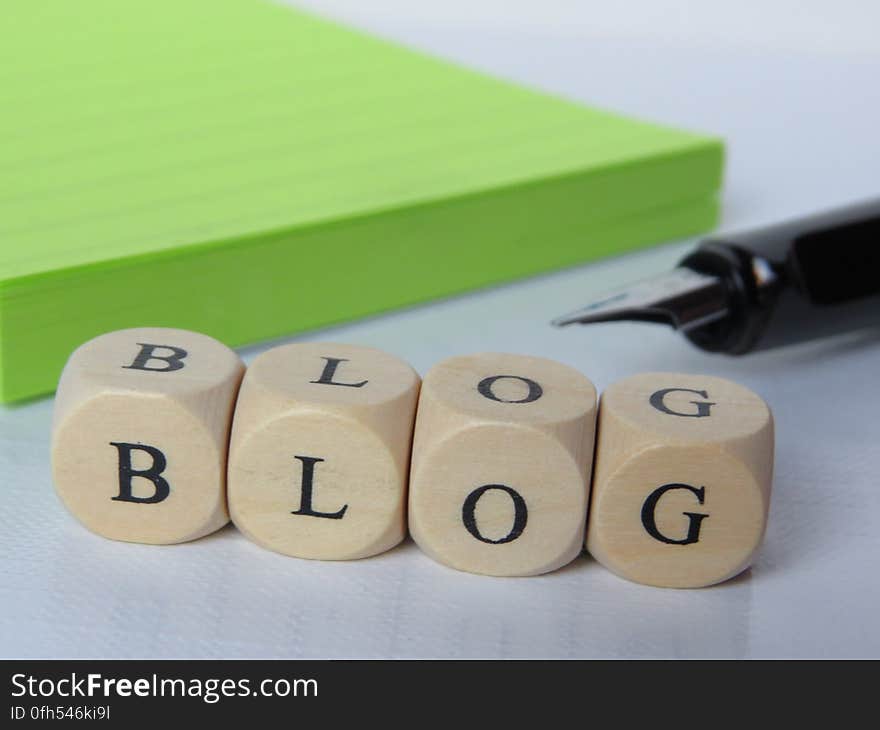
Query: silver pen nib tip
(682,298)
(598,311)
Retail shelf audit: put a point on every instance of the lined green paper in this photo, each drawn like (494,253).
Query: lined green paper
(242,169)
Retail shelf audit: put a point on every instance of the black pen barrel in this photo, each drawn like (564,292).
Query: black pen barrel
(794,281)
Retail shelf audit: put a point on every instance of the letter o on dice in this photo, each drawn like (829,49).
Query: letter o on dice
(501,462)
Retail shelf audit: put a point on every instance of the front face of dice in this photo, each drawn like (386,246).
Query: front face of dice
(682,482)
(320,450)
(140,434)
(501,464)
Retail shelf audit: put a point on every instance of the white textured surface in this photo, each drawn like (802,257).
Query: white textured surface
(793,88)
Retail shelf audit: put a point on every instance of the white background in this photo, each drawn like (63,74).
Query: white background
(794,88)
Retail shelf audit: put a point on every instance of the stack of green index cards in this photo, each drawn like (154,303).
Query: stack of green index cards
(243,169)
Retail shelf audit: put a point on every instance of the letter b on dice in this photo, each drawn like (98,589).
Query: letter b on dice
(140,434)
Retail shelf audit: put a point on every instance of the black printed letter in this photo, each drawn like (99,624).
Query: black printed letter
(485,389)
(696,519)
(126,473)
(702,407)
(330,370)
(305,502)
(520,513)
(172,362)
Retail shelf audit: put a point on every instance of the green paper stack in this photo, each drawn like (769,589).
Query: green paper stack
(242,169)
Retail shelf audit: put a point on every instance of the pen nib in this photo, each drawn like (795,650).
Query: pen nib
(682,298)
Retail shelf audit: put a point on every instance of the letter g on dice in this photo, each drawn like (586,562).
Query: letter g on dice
(681,488)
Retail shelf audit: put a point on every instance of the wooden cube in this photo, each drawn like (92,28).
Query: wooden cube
(140,434)
(501,463)
(681,488)
(319,457)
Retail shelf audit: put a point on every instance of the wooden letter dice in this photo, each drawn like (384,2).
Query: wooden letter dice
(681,488)
(501,463)
(140,434)
(320,450)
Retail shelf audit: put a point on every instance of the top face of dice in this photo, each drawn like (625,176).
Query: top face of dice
(331,374)
(320,450)
(504,387)
(682,481)
(150,360)
(501,462)
(140,434)
(688,408)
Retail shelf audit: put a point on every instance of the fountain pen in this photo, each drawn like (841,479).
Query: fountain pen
(791,282)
